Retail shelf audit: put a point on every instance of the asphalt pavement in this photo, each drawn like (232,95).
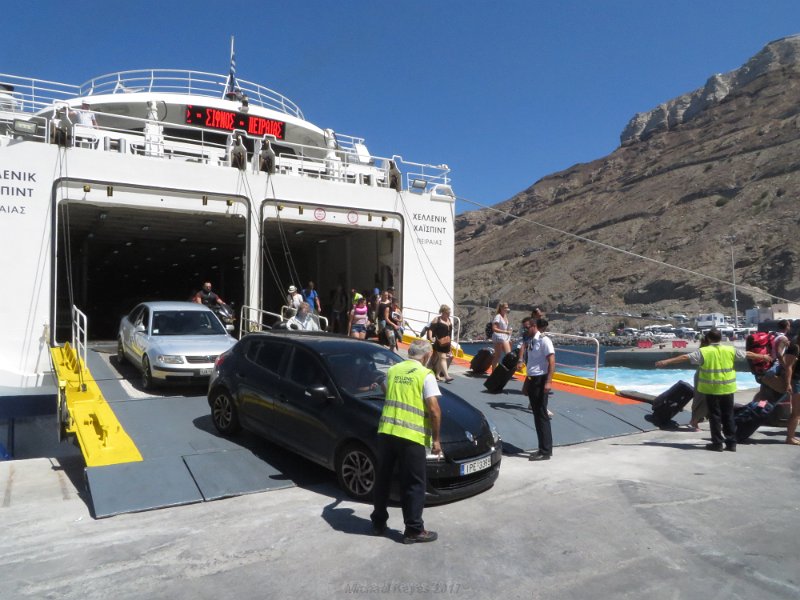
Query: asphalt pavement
(650,515)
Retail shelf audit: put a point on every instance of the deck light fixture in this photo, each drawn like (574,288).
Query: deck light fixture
(419,184)
(205,200)
(299,210)
(109,190)
(229,202)
(87,188)
(369,216)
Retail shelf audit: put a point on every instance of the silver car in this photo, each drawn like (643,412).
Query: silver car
(172,342)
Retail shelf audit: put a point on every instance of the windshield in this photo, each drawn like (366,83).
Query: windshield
(186,322)
(360,366)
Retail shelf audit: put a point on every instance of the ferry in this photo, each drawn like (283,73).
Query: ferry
(141,185)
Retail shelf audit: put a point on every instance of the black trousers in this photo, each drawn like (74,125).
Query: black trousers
(411,462)
(538,399)
(720,419)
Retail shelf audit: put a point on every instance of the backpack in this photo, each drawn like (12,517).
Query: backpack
(759,343)
(488,329)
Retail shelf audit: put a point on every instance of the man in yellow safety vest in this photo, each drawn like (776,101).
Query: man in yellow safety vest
(408,426)
(717,381)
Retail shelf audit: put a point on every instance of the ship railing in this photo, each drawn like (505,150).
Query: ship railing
(577,340)
(351,162)
(195,83)
(26,95)
(421,177)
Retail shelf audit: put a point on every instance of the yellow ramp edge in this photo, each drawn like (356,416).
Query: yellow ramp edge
(102,439)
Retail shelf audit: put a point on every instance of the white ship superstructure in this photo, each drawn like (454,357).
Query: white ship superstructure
(183,180)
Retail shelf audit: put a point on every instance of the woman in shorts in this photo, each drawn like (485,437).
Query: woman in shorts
(359,319)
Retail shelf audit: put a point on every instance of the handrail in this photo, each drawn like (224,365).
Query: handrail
(80,338)
(585,340)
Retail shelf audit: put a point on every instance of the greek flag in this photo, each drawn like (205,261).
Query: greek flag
(231,87)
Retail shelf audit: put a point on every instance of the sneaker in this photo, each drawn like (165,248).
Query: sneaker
(420,538)
(714,447)
(730,447)
(539,456)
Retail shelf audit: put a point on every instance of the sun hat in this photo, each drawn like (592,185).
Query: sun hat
(292,289)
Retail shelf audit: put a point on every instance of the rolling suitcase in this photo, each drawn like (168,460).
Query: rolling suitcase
(481,362)
(750,417)
(668,404)
(502,374)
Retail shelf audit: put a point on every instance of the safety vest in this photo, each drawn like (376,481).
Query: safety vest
(716,375)
(404,409)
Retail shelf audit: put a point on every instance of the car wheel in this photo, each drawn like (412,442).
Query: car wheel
(356,470)
(147,375)
(120,352)
(223,413)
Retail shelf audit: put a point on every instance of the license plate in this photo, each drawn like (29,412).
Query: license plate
(205,371)
(476,465)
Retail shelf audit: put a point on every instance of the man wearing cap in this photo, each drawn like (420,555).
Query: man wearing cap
(294,298)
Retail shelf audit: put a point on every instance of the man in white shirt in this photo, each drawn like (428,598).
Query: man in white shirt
(86,116)
(541,365)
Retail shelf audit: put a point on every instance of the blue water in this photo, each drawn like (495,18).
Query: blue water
(648,381)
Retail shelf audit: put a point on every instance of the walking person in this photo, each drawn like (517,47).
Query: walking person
(409,424)
(359,319)
(440,332)
(501,334)
(541,366)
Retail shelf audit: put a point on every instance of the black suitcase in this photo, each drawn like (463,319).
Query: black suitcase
(668,404)
(510,360)
(481,362)
(498,379)
(750,417)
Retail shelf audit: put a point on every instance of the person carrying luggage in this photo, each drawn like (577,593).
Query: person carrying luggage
(717,381)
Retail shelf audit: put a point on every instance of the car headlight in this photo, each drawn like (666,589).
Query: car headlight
(493,429)
(170,359)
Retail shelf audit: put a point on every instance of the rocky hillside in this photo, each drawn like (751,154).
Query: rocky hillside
(715,167)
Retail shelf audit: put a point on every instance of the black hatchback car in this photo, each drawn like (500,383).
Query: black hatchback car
(319,395)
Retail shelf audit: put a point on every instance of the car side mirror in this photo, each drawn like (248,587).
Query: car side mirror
(229,327)
(140,328)
(320,394)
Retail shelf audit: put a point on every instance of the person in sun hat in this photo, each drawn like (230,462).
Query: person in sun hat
(294,298)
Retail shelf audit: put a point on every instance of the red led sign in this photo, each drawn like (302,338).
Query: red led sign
(215,118)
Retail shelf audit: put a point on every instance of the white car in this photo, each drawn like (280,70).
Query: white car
(172,342)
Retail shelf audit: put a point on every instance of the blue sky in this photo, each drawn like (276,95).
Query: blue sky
(503,92)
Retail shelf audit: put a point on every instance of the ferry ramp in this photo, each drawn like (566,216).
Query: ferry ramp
(180,459)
